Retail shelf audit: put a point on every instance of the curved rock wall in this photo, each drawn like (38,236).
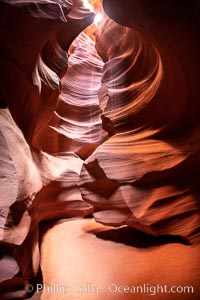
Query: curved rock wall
(33,61)
(124,127)
(149,167)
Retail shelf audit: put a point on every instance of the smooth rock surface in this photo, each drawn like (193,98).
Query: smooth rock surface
(80,258)
(102,123)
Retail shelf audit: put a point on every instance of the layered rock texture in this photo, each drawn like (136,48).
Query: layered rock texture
(102,122)
(150,166)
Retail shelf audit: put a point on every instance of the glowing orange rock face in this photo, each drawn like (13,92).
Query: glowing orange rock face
(34,59)
(118,119)
(146,166)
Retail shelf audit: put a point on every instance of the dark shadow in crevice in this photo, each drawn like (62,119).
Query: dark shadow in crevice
(135,238)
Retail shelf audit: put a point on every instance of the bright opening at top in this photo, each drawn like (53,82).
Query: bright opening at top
(98,18)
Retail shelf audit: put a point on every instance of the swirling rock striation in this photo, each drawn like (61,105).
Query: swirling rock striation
(149,167)
(33,60)
(117,137)
(78,108)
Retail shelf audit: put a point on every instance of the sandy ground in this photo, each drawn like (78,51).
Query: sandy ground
(79,262)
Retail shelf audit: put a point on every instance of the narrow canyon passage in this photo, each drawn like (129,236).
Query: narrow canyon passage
(99,149)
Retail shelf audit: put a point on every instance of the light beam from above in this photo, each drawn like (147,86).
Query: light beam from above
(98,18)
(86,4)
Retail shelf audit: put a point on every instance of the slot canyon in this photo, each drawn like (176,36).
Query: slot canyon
(100,149)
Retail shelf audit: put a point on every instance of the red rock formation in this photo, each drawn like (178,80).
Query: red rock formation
(78,109)
(149,168)
(33,58)
(133,119)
